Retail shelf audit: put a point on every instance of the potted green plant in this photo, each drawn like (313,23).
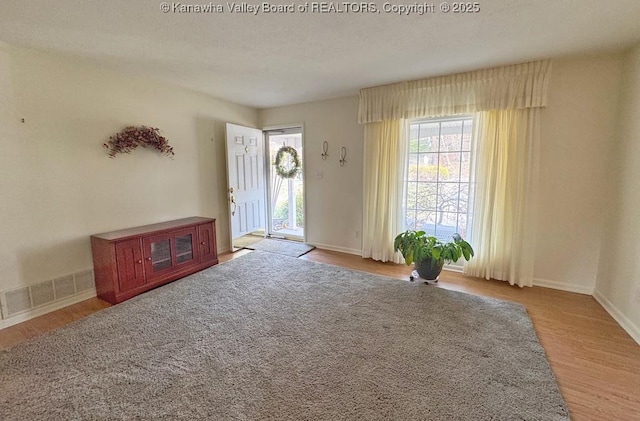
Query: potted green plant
(430,254)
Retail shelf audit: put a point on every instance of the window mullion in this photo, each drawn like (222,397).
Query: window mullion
(415,222)
(459,178)
(437,206)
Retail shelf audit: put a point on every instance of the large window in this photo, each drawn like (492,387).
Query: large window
(437,194)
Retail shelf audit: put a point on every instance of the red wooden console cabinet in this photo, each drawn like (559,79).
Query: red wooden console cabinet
(131,261)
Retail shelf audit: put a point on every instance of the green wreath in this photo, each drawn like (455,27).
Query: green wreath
(295,161)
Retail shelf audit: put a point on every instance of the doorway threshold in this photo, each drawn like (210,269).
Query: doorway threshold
(287,232)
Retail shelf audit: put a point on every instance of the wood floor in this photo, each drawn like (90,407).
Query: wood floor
(596,363)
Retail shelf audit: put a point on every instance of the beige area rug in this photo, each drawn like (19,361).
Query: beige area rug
(269,337)
(284,247)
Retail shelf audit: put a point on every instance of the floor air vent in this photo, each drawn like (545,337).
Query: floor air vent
(27,298)
(17,301)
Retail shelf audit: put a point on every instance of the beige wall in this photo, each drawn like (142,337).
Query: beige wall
(618,287)
(57,184)
(577,135)
(334,202)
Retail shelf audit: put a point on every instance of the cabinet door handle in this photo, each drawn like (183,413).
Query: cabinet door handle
(149,259)
(203,243)
(139,261)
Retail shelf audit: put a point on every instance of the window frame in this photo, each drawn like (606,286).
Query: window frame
(459,181)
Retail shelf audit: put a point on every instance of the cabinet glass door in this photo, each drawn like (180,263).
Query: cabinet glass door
(184,248)
(160,255)
(164,252)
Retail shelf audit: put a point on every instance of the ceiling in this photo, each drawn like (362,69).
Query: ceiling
(267,60)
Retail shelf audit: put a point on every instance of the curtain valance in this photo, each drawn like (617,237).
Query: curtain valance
(509,87)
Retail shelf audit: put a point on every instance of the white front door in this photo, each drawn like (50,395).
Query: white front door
(245,181)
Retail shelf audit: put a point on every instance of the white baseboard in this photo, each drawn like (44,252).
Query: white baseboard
(627,325)
(357,252)
(562,286)
(452,268)
(48,308)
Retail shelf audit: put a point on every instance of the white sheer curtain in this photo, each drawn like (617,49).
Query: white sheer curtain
(384,162)
(504,212)
(506,101)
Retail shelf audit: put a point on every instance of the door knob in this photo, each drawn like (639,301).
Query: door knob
(235,205)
